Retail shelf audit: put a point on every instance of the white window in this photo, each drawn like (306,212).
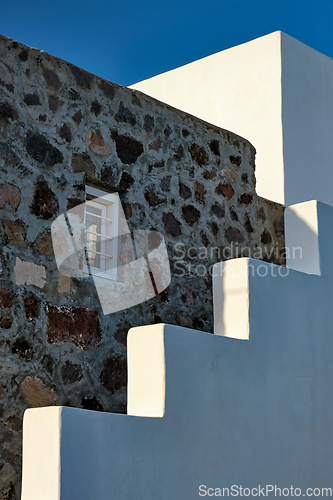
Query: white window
(101,231)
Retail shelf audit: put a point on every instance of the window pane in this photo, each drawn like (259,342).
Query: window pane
(93,241)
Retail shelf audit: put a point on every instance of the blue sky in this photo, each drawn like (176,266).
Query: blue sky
(126,41)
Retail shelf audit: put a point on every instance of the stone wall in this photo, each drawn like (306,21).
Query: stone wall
(62,128)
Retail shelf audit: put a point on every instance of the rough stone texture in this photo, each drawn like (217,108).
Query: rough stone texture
(62,128)
(36,393)
(28,273)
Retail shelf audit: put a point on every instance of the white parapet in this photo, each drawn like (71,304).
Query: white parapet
(211,411)
(277,93)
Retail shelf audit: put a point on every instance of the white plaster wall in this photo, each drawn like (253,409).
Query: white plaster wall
(277,93)
(307,116)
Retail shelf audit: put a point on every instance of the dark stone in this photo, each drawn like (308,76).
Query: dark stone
(248,225)
(91,404)
(51,78)
(108,175)
(23,349)
(244,177)
(23,55)
(77,117)
(266,237)
(83,79)
(225,189)
(83,163)
(148,124)
(283,253)
(215,147)
(73,202)
(55,103)
(190,214)
(185,132)
(126,182)
(235,160)
(135,99)
(8,86)
(128,149)
(96,108)
(153,199)
(167,132)
(107,89)
(209,174)
(74,95)
(179,153)
(127,207)
(199,192)
(76,325)
(158,164)
(197,324)
(65,133)
(279,227)
(6,298)
(261,214)
(43,244)
(184,191)
(8,154)
(31,306)
(71,373)
(6,322)
(114,374)
(234,234)
(204,238)
(233,215)
(45,203)
(217,210)
(48,363)
(199,155)
(125,115)
(15,231)
(8,112)
(214,227)
(31,99)
(120,333)
(42,118)
(165,183)
(41,150)
(246,198)
(172,226)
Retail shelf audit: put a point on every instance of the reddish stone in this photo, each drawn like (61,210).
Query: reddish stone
(14,231)
(31,306)
(6,298)
(246,198)
(78,326)
(43,244)
(95,141)
(199,191)
(226,190)
(36,393)
(9,194)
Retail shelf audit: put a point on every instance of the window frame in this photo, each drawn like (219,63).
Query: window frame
(109,205)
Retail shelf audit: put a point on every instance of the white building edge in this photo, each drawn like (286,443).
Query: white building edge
(277,93)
